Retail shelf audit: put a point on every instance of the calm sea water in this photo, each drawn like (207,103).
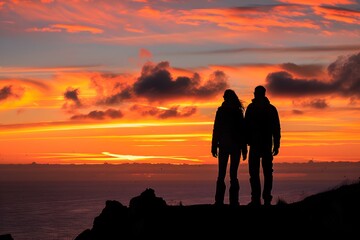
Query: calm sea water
(60,210)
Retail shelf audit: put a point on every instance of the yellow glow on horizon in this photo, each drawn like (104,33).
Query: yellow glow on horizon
(66,127)
(134,158)
(107,156)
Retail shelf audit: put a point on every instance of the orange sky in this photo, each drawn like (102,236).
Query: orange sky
(140,81)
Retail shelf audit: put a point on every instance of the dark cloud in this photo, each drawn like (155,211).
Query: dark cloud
(157,84)
(72,94)
(99,115)
(316,103)
(163,113)
(111,89)
(298,112)
(154,85)
(9,92)
(72,101)
(345,72)
(116,98)
(174,112)
(305,70)
(313,103)
(344,81)
(284,84)
(5,93)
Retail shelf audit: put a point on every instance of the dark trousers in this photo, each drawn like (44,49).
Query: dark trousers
(223,158)
(264,156)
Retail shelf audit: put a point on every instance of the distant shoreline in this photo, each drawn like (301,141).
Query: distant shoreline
(311,171)
(172,164)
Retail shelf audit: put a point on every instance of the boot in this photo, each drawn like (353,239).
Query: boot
(220,193)
(234,193)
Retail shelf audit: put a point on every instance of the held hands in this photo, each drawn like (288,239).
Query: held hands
(244,155)
(275,151)
(244,152)
(214,151)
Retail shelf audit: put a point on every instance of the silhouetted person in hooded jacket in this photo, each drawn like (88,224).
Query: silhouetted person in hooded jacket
(228,140)
(263,136)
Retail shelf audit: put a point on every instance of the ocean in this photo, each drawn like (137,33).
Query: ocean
(59,202)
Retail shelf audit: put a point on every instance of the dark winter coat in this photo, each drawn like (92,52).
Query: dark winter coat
(262,124)
(229,128)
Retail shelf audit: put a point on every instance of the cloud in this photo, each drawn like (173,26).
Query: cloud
(164,113)
(72,94)
(297,112)
(144,53)
(314,103)
(116,98)
(71,97)
(156,83)
(7,92)
(247,18)
(345,72)
(284,84)
(319,2)
(111,89)
(305,70)
(99,115)
(315,48)
(338,14)
(77,28)
(344,81)
(66,27)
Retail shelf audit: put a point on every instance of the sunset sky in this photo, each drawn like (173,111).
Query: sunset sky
(85,81)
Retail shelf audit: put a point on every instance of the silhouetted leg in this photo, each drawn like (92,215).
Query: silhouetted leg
(220,192)
(234,182)
(234,192)
(267,165)
(220,183)
(254,171)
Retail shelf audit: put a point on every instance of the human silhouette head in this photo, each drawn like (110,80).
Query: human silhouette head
(259,92)
(231,98)
(229,95)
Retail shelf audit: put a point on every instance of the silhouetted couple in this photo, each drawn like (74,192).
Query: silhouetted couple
(234,129)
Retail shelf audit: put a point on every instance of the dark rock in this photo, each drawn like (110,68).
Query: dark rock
(6,237)
(85,235)
(113,223)
(147,200)
(327,215)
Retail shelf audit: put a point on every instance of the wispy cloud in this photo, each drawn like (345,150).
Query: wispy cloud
(339,14)
(298,49)
(68,28)
(99,115)
(320,2)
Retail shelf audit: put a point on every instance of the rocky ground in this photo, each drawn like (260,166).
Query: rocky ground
(333,213)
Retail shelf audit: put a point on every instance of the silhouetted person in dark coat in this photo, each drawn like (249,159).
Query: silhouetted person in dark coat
(229,138)
(263,136)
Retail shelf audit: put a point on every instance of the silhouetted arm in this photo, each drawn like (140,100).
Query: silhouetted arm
(215,136)
(276,131)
